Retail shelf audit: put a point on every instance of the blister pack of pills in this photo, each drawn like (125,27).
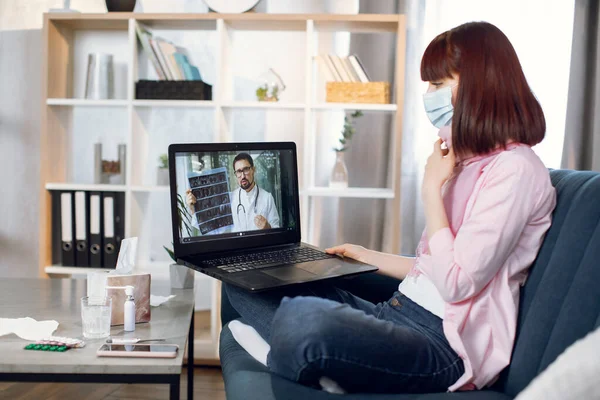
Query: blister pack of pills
(55,343)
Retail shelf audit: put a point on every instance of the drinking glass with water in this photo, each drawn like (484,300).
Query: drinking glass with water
(95,316)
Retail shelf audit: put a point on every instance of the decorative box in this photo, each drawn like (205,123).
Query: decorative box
(141,295)
(358,92)
(172,90)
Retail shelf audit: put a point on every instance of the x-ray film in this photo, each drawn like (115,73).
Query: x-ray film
(213,201)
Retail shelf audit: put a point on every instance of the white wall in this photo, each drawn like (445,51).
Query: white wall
(20,84)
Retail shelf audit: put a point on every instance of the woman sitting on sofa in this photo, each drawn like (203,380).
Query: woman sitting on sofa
(488,202)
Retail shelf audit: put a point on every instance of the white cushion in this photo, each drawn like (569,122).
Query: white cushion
(573,375)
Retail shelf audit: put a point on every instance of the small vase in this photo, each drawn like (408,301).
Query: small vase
(339,175)
(181,277)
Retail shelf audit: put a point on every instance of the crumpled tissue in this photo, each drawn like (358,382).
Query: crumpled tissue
(156,301)
(27,328)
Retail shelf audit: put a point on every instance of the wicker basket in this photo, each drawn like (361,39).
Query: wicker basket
(358,92)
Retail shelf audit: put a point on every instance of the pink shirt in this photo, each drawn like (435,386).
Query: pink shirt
(499,207)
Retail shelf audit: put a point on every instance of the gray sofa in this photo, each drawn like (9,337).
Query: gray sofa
(560,303)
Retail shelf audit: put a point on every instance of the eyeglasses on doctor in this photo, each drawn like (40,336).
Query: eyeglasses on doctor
(245,171)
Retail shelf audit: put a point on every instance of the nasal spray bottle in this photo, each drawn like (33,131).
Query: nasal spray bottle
(129,308)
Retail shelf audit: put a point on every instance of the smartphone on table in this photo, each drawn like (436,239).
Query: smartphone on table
(138,350)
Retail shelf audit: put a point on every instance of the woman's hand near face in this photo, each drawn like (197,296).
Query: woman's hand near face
(439,168)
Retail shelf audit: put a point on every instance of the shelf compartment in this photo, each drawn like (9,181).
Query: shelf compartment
(177,21)
(84,186)
(265,24)
(364,193)
(67,270)
(150,189)
(161,268)
(264,105)
(370,24)
(86,102)
(154,129)
(245,21)
(355,106)
(99,21)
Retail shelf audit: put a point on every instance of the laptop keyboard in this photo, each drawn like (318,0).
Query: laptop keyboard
(246,262)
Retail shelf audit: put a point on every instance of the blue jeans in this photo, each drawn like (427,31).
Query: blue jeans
(318,330)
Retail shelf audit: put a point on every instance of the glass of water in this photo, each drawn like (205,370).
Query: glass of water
(95,316)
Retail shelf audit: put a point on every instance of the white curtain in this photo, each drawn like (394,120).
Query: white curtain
(582,133)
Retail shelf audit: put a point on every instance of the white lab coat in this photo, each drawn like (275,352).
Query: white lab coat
(243,216)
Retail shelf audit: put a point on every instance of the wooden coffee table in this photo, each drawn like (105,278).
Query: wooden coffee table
(59,299)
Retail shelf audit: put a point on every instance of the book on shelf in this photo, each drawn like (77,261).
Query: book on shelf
(161,60)
(168,50)
(350,69)
(332,69)
(169,61)
(358,68)
(144,37)
(190,72)
(329,77)
(342,69)
(178,59)
(339,66)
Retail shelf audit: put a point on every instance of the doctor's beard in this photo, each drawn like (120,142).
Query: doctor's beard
(245,184)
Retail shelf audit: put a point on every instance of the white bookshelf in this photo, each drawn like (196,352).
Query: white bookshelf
(151,189)
(86,103)
(359,193)
(264,105)
(242,45)
(67,270)
(174,103)
(211,104)
(83,186)
(355,106)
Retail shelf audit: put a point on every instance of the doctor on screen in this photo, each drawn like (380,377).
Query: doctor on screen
(252,208)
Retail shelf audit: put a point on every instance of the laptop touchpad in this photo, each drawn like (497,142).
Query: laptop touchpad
(290,274)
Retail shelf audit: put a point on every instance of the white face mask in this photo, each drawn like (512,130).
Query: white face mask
(438,106)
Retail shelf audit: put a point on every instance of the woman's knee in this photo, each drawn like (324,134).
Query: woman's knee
(235,294)
(302,332)
(231,289)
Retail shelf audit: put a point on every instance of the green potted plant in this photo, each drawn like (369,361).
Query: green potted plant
(339,174)
(162,174)
(272,85)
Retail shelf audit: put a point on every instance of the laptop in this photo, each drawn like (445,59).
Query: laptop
(235,213)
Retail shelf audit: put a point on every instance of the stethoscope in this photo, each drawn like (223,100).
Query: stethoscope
(241,205)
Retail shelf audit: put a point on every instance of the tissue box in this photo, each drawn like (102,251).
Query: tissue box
(141,294)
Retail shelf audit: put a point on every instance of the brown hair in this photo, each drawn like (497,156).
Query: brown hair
(494,103)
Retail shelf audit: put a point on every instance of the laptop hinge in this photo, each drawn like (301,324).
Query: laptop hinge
(208,256)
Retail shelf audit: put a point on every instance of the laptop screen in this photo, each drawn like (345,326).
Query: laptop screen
(224,195)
